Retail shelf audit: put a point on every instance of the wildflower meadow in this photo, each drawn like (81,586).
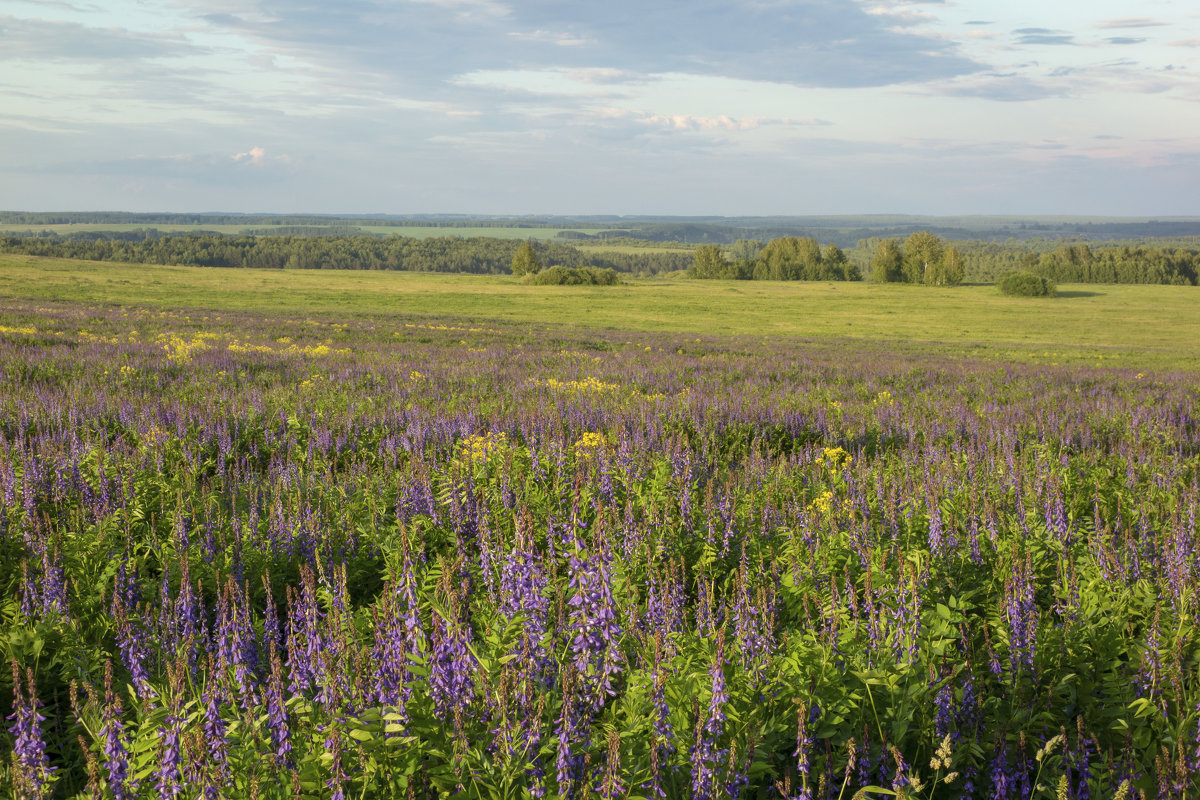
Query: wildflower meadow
(261,555)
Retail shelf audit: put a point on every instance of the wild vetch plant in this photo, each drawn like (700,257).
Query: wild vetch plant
(254,556)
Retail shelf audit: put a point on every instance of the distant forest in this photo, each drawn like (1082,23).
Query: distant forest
(333,246)
(478,255)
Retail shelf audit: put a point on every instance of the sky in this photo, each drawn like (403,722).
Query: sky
(680,107)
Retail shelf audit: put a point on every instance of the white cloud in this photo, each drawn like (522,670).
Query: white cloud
(1130,22)
(254,156)
(699,122)
(559,38)
(257,157)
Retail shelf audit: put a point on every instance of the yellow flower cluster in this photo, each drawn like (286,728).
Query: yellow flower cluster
(449,328)
(834,458)
(479,448)
(154,435)
(246,348)
(180,350)
(318,350)
(588,385)
(589,444)
(822,503)
(415,376)
(23,331)
(311,381)
(94,338)
(884,398)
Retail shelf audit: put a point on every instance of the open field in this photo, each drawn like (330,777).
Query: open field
(592,247)
(291,534)
(1124,325)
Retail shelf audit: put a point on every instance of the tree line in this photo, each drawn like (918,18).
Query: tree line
(925,258)
(787,258)
(921,258)
(478,255)
(1080,264)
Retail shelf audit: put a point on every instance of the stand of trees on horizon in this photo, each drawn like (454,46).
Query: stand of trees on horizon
(923,257)
(1079,263)
(788,258)
(477,255)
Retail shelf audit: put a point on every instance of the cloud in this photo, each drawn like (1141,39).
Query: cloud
(422,45)
(1186,43)
(47,40)
(560,38)
(607,76)
(254,157)
(723,122)
(901,15)
(1043,36)
(1125,40)
(1009,88)
(1130,22)
(248,168)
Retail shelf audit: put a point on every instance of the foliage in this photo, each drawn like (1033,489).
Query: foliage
(1154,262)
(708,262)
(1170,262)
(573,276)
(922,257)
(787,258)
(525,260)
(478,255)
(1025,284)
(887,262)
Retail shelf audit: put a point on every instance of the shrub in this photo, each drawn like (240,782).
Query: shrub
(573,276)
(1025,284)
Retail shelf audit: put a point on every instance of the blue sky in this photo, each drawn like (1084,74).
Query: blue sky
(668,107)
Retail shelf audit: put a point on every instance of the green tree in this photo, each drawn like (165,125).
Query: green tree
(922,256)
(709,262)
(887,263)
(834,263)
(952,269)
(791,258)
(746,248)
(526,262)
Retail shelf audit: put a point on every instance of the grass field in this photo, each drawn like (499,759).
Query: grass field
(631,248)
(1131,326)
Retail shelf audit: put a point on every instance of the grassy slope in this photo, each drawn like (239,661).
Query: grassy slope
(1119,325)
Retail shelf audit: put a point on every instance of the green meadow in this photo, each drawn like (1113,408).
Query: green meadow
(1106,325)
